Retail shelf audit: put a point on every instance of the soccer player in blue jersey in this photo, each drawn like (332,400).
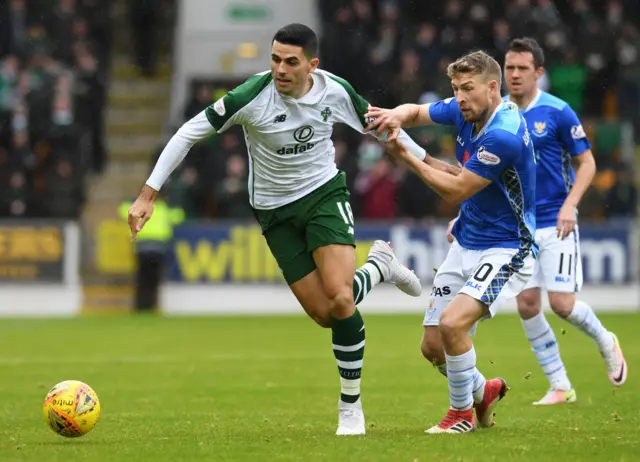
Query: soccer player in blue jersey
(558,138)
(493,255)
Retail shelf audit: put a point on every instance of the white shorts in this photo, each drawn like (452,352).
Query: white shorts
(481,274)
(559,265)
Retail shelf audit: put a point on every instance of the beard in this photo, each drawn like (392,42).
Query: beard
(477,116)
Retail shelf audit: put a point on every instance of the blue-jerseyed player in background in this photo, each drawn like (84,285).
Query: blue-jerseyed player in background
(558,138)
(493,256)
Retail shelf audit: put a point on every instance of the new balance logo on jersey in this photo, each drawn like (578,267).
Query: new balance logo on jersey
(279,119)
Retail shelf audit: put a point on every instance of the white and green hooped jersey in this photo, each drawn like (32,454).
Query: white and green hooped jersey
(288,140)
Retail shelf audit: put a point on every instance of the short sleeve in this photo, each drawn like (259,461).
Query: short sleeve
(571,133)
(354,106)
(497,152)
(445,112)
(226,111)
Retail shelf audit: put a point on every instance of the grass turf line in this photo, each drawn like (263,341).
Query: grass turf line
(266,388)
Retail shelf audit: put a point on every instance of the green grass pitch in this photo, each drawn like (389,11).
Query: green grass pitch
(266,389)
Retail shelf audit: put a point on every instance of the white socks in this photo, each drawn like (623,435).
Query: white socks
(464,379)
(583,317)
(478,382)
(545,347)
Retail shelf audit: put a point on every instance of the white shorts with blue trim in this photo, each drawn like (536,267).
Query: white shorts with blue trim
(559,265)
(492,276)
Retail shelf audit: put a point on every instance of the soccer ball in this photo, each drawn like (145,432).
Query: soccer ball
(71,408)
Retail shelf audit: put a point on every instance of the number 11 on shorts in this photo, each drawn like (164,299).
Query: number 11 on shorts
(348,216)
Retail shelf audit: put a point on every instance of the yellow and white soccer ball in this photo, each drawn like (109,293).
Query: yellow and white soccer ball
(71,408)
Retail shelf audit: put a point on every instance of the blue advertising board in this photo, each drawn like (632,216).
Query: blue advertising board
(237,253)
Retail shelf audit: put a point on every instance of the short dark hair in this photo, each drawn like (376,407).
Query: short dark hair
(528,45)
(299,35)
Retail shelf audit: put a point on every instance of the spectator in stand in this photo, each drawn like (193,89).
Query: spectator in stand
(200,100)
(51,96)
(628,54)
(397,51)
(144,18)
(407,85)
(568,80)
(231,194)
(622,199)
(378,189)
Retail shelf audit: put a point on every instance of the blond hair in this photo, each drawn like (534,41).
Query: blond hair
(476,63)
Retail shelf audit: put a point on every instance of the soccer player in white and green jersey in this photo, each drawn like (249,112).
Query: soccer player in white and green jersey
(299,197)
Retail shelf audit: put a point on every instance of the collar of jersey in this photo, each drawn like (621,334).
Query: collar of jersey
(534,101)
(481,132)
(314,95)
(531,105)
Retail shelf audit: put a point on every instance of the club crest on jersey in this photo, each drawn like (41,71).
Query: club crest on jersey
(577,132)
(540,129)
(219,107)
(326,113)
(486,157)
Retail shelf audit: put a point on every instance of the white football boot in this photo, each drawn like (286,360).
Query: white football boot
(616,365)
(393,272)
(350,419)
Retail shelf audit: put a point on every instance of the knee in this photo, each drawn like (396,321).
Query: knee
(322,320)
(562,303)
(342,304)
(451,324)
(529,304)
(320,313)
(431,349)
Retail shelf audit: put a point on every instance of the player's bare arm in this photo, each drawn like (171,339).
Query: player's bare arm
(585,172)
(433,162)
(392,120)
(172,155)
(453,189)
(442,165)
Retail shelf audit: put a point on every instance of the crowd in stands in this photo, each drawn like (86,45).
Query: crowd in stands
(53,70)
(54,58)
(396,51)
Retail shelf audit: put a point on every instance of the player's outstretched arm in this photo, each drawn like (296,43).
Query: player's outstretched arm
(393,120)
(584,176)
(172,155)
(455,189)
(442,165)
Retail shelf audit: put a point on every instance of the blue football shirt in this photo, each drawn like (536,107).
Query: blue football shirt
(557,136)
(503,213)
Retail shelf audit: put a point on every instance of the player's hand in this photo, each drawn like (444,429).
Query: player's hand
(384,121)
(139,214)
(450,237)
(566,221)
(397,149)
